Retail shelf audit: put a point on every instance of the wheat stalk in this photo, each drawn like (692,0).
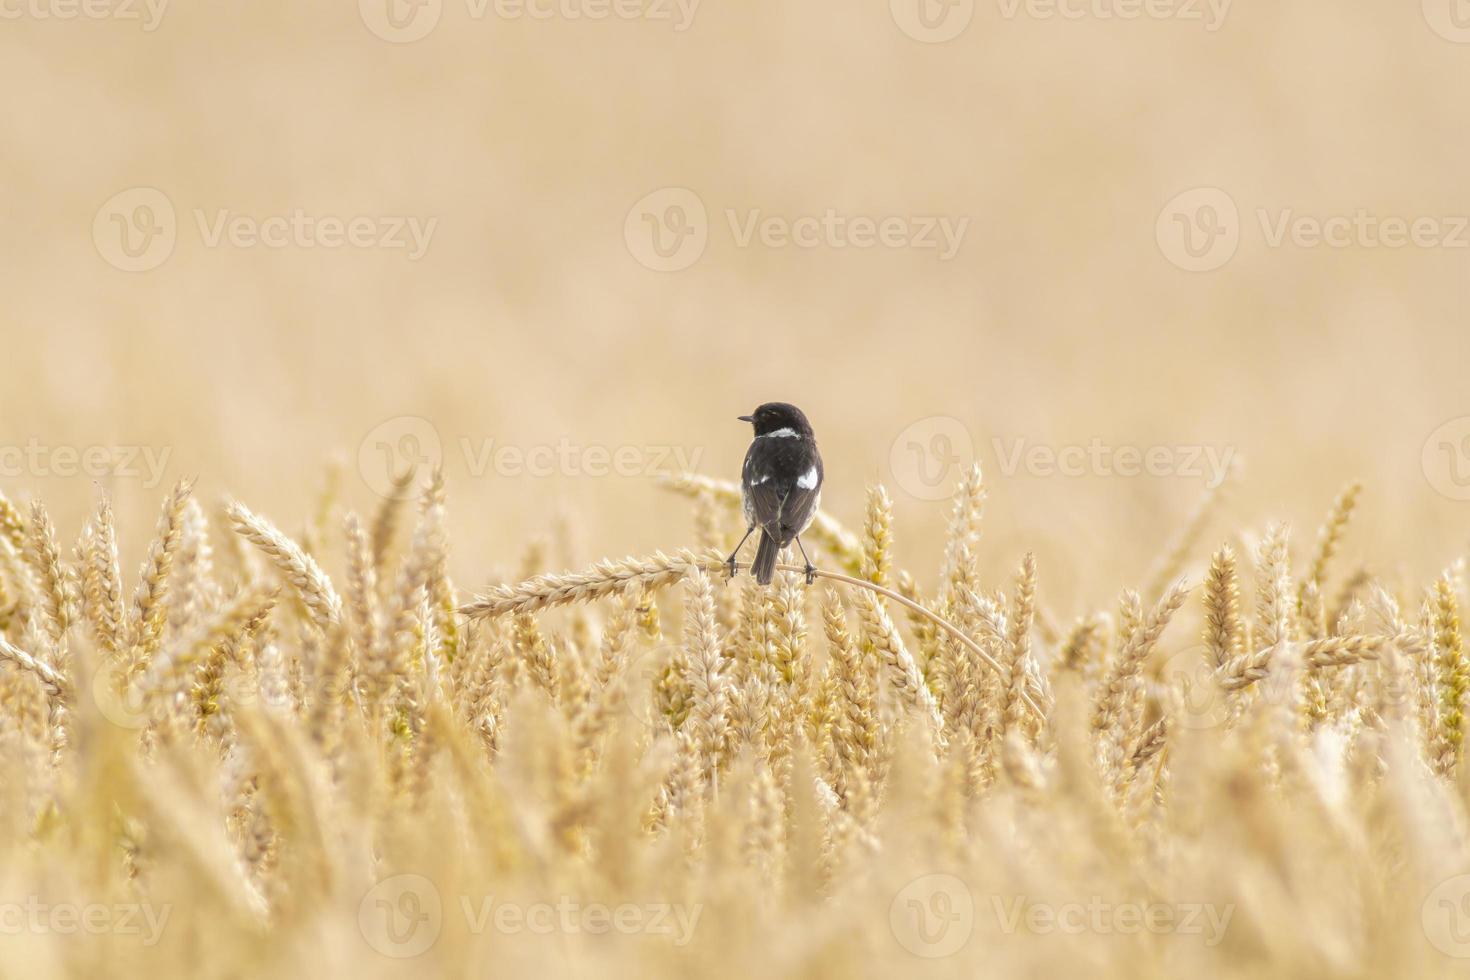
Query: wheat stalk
(56,683)
(300,571)
(614,577)
(842,543)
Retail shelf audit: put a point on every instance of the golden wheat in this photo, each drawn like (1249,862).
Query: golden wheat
(295,769)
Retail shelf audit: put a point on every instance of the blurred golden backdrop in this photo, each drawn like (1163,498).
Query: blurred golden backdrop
(1064,146)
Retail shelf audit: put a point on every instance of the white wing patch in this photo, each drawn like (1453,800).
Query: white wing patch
(807,480)
(782,433)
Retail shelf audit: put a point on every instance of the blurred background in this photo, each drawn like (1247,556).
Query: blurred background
(244,240)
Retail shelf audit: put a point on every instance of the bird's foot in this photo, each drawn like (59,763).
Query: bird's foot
(730,567)
(811,573)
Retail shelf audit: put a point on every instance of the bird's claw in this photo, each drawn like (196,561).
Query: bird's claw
(730,567)
(811,573)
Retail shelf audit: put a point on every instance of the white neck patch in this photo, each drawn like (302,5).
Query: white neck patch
(783,433)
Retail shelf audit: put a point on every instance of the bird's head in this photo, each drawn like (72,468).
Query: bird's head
(773,417)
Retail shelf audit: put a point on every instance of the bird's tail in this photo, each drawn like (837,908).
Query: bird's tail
(765,559)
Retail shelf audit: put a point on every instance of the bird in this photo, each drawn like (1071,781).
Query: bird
(780,486)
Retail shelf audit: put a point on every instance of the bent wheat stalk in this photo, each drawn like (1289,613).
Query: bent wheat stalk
(298,568)
(1333,651)
(611,577)
(825,528)
(56,683)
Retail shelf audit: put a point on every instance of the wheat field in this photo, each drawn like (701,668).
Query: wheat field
(243,762)
(367,447)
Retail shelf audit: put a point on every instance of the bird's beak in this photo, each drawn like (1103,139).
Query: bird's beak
(746,418)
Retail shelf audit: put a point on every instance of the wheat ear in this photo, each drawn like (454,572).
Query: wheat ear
(614,577)
(296,566)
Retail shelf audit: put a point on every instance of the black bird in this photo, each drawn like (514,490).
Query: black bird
(780,485)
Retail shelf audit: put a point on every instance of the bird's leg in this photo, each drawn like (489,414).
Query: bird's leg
(811,570)
(730,562)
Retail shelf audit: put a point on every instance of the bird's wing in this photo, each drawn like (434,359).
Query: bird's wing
(798,510)
(764,497)
(782,506)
